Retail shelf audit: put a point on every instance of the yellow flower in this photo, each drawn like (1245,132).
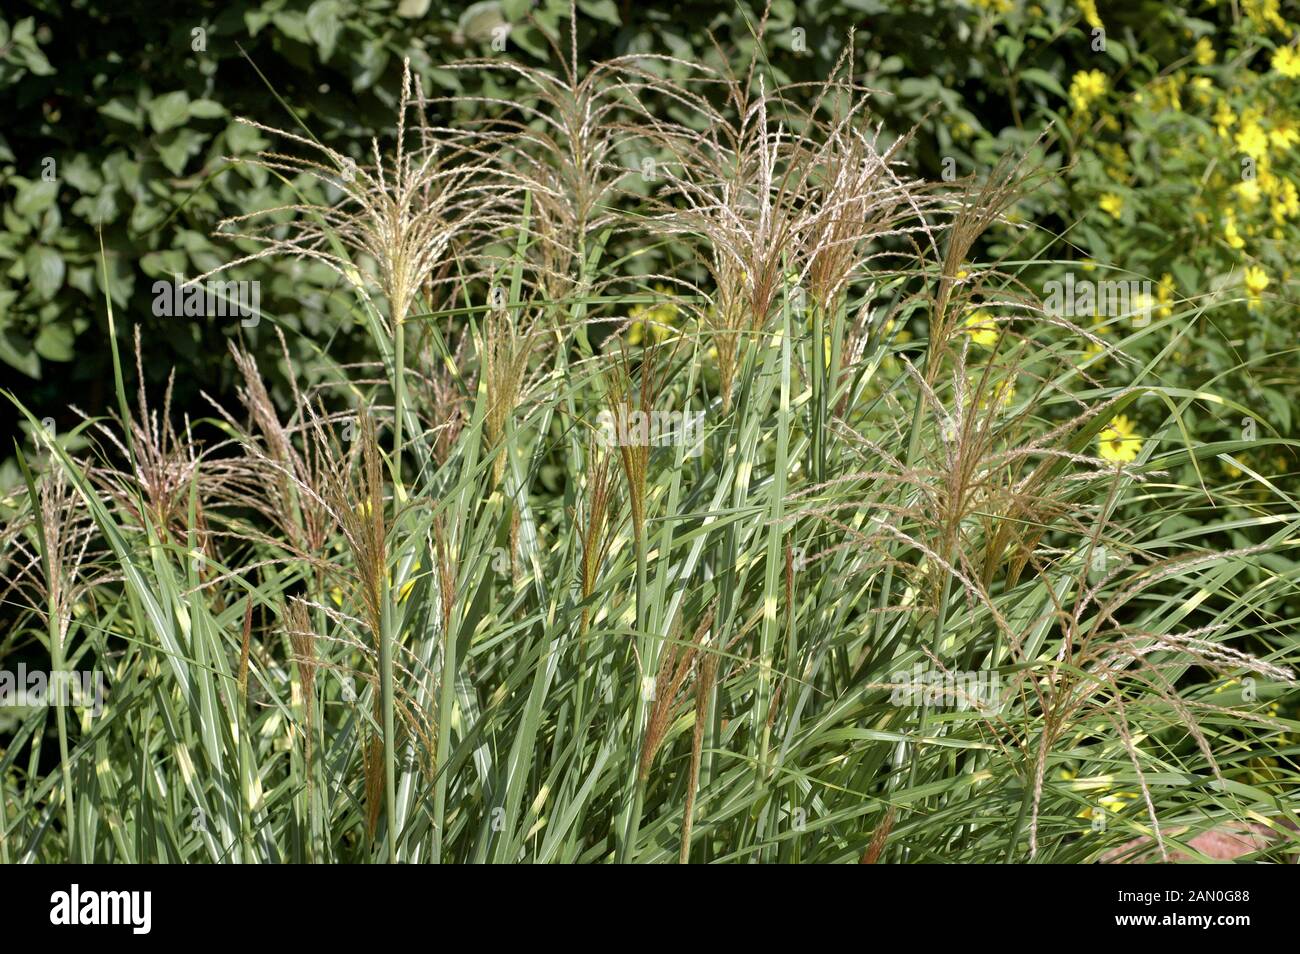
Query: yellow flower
(1001,395)
(1255,281)
(1224,118)
(336,594)
(1287,202)
(982,329)
(903,335)
(1115,803)
(962,131)
(1116,158)
(1253,141)
(1143,305)
(1108,805)
(658,319)
(1112,203)
(1165,295)
(1264,13)
(1089,10)
(1230,233)
(1119,441)
(1284,134)
(1248,191)
(1086,87)
(1166,93)
(1287,62)
(1204,51)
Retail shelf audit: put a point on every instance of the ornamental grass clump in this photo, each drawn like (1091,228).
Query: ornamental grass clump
(394,224)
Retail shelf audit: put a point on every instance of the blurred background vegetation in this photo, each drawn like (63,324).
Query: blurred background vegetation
(1174,126)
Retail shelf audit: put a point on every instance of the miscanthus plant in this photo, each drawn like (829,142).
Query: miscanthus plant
(819,543)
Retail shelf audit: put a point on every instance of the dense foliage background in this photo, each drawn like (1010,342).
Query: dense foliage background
(119,119)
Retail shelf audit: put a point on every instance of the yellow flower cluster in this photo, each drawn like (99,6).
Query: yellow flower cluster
(1086,87)
(1119,440)
(981,328)
(1116,160)
(1230,233)
(1265,14)
(1252,140)
(1167,93)
(1165,296)
(1088,8)
(1224,118)
(1257,140)
(652,321)
(1256,280)
(997,394)
(1287,62)
(1110,802)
